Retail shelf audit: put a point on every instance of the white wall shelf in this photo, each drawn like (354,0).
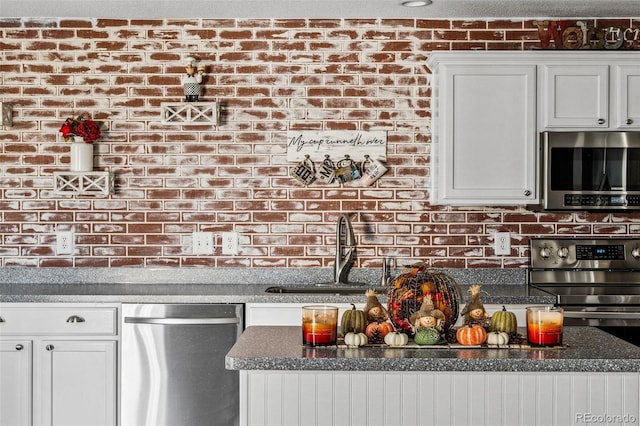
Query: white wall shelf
(83,183)
(194,113)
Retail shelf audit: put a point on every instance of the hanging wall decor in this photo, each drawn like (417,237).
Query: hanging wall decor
(316,145)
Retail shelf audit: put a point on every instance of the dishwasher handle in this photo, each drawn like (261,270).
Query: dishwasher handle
(181,321)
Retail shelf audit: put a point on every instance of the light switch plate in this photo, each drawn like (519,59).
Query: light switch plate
(502,243)
(203,243)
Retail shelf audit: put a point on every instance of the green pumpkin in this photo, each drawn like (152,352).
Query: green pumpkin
(353,320)
(427,336)
(504,321)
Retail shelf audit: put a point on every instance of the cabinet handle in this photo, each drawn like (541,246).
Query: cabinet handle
(2,319)
(19,347)
(75,318)
(601,121)
(49,347)
(527,192)
(629,121)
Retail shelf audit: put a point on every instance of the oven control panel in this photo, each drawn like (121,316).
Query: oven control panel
(600,252)
(574,253)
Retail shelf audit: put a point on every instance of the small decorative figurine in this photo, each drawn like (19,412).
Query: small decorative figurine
(428,316)
(474,312)
(191,81)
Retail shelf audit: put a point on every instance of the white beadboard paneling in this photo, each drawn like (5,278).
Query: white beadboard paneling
(325,398)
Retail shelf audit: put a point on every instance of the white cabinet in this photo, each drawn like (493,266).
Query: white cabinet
(285,313)
(484,131)
(626,87)
(16,365)
(78,382)
(589,96)
(58,364)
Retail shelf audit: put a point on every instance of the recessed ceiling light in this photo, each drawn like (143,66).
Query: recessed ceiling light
(416,3)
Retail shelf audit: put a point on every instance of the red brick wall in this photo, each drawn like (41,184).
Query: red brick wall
(272,76)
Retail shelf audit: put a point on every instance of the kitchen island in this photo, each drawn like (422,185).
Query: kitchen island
(594,380)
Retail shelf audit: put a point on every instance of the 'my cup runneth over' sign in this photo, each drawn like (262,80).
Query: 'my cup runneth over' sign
(336,144)
(582,35)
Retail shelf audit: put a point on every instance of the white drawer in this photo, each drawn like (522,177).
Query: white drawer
(43,320)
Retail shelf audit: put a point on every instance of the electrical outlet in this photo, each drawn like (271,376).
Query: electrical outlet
(64,242)
(230,243)
(203,243)
(502,243)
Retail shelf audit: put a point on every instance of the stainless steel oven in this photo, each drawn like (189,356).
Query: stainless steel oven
(596,281)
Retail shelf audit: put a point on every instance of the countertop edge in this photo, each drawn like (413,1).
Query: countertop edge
(279,348)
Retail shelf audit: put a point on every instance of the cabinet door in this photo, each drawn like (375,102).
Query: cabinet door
(16,364)
(78,382)
(574,96)
(626,81)
(487,144)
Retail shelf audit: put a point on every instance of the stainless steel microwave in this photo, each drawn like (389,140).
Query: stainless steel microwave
(591,171)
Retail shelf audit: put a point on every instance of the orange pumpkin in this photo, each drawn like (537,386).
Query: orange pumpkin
(471,335)
(377,330)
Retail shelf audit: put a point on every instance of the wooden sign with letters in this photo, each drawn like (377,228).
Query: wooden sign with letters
(336,144)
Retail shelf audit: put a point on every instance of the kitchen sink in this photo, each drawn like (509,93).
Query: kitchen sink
(329,289)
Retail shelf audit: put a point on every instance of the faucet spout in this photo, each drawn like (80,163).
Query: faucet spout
(345,250)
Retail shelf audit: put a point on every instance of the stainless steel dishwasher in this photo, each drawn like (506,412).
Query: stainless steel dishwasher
(173,371)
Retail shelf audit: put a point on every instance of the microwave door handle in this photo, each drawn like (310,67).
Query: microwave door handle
(181,321)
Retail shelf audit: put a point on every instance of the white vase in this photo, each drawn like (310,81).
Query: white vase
(81,155)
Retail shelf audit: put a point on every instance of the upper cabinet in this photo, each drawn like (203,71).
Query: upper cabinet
(626,90)
(484,132)
(574,96)
(589,96)
(489,108)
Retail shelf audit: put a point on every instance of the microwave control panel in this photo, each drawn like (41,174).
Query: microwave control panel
(575,200)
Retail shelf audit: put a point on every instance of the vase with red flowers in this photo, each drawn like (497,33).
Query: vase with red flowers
(83,132)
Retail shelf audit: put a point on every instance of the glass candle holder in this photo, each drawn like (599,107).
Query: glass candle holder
(544,325)
(319,325)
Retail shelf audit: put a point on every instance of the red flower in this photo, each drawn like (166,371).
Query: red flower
(82,126)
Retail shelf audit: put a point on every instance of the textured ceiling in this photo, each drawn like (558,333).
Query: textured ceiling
(467,9)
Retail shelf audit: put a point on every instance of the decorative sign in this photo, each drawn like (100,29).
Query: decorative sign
(577,35)
(336,144)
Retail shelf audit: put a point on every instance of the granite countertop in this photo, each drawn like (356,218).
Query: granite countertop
(220,293)
(227,285)
(280,348)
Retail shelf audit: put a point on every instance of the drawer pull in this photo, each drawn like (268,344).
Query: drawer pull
(2,319)
(19,347)
(75,318)
(49,347)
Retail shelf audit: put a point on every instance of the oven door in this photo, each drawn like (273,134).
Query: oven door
(621,321)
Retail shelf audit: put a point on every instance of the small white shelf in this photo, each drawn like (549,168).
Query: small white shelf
(194,113)
(83,183)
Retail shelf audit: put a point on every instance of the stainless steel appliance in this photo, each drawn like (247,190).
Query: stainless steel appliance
(173,371)
(596,281)
(591,170)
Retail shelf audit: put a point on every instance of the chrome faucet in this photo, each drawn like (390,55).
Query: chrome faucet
(345,250)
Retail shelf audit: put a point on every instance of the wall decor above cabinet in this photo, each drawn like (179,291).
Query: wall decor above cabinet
(489,109)
(583,35)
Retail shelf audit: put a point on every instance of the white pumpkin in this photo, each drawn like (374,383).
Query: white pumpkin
(355,339)
(497,338)
(395,338)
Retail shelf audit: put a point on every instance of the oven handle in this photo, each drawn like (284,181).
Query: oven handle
(607,314)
